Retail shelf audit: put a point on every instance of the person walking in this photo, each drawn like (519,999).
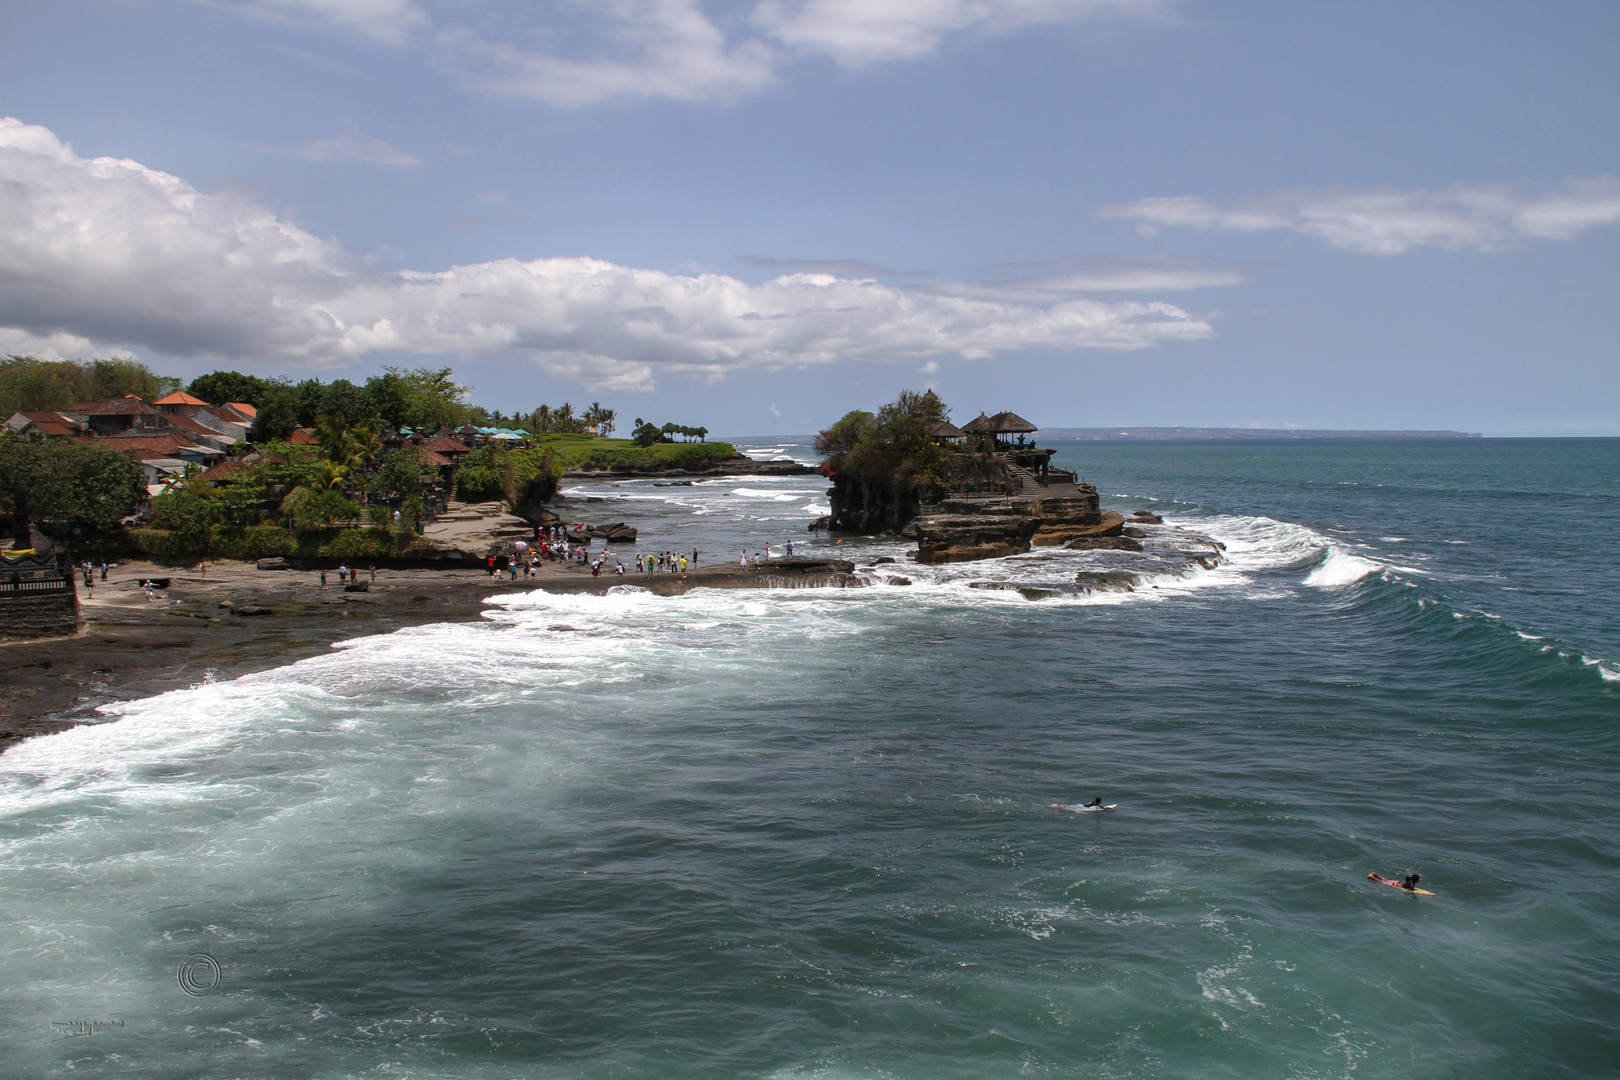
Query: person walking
(103,569)
(790,549)
(323,579)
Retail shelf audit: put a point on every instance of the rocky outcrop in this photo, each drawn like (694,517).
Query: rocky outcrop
(947,538)
(617,533)
(1103,543)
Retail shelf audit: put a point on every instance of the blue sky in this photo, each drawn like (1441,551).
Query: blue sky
(758,214)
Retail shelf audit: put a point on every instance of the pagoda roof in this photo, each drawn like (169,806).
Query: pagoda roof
(947,430)
(979,425)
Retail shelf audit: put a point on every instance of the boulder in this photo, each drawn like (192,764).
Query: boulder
(1103,543)
(272,564)
(618,533)
(1147,518)
(357,586)
(1135,533)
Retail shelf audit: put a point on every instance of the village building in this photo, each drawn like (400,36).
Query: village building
(42,425)
(127,413)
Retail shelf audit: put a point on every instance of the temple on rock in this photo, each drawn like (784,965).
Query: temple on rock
(991,492)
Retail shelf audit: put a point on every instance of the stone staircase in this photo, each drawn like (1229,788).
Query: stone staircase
(1028,483)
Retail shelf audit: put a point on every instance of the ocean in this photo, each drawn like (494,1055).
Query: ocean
(810,833)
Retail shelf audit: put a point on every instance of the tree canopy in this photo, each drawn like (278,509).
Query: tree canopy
(47,484)
(893,448)
(28,384)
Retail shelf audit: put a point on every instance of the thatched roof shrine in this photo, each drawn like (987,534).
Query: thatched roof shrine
(1010,423)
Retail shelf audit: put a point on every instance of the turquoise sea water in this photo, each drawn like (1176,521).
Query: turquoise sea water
(808,834)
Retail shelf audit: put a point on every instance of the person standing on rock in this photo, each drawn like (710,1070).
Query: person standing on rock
(742,560)
(373,571)
(694,558)
(683,567)
(323,579)
(790,549)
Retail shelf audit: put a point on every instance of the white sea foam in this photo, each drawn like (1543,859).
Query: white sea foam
(1341,568)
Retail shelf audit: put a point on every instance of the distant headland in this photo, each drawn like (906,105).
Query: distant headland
(1119,434)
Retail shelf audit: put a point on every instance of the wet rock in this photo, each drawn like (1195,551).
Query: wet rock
(1103,543)
(1106,581)
(881,560)
(253,609)
(564,628)
(1052,532)
(1135,533)
(357,586)
(1147,518)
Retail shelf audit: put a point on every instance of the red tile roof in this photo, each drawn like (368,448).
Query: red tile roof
(244,408)
(179,397)
(52,423)
(147,445)
(227,415)
(303,436)
(433,459)
(186,423)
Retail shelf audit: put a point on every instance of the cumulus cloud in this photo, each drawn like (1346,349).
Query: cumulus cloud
(350,147)
(1479,217)
(581,54)
(110,252)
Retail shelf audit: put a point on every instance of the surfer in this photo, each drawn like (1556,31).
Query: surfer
(1409,882)
(1094,804)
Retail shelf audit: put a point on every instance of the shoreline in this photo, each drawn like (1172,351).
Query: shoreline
(236,619)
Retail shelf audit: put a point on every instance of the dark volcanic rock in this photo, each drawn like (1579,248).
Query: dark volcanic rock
(357,586)
(1148,518)
(1106,581)
(1103,543)
(1135,533)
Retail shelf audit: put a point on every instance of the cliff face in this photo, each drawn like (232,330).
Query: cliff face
(859,507)
(962,530)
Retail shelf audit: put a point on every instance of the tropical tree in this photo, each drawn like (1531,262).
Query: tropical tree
(57,483)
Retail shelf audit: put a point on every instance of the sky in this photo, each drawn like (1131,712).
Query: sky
(756,215)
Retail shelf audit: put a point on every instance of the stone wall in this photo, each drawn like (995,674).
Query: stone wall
(31,614)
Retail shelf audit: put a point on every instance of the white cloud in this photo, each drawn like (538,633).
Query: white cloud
(391,22)
(1052,282)
(1480,217)
(587,53)
(653,48)
(350,147)
(858,32)
(113,253)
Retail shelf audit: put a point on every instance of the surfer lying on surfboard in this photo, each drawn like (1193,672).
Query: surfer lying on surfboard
(1409,883)
(1094,804)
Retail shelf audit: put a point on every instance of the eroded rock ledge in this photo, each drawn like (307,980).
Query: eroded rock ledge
(962,530)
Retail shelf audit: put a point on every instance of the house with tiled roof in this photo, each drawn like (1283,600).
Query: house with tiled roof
(197,432)
(169,444)
(41,425)
(179,402)
(113,415)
